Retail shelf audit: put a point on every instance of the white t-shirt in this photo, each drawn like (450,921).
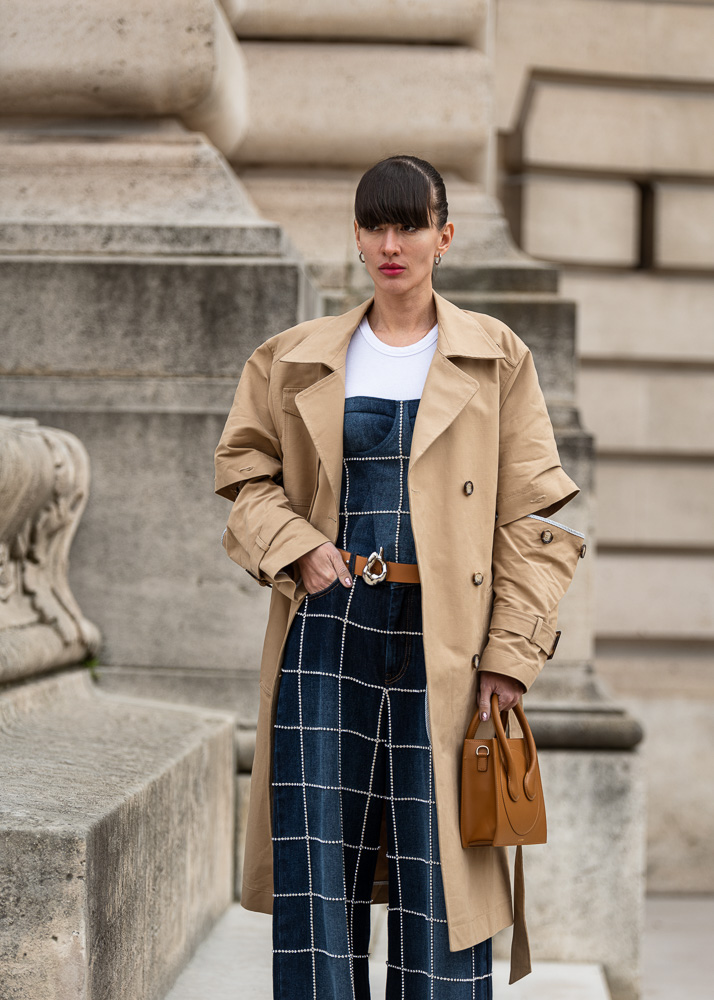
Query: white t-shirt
(373,368)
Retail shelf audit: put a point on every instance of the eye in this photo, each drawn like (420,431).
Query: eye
(409,229)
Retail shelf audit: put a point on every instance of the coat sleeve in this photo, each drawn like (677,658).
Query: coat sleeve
(264,534)
(534,557)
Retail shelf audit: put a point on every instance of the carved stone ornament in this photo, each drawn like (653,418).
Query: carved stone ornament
(44,483)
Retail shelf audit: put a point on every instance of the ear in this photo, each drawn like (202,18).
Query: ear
(447,235)
(357,234)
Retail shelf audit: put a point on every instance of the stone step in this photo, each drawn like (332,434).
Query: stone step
(235,961)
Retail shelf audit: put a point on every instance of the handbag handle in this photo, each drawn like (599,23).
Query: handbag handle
(500,720)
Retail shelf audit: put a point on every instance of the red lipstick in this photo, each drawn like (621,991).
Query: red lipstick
(391,268)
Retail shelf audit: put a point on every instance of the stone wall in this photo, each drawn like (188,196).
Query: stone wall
(605,111)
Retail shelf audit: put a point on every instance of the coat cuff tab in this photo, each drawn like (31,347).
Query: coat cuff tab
(533,627)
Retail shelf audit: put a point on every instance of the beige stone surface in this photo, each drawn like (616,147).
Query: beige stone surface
(152,174)
(116,839)
(124,58)
(658,503)
(680,819)
(595,854)
(637,668)
(642,315)
(649,409)
(573,219)
(653,595)
(626,38)
(684,224)
(601,126)
(401,20)
(350,104)
(117,57)
(678,956)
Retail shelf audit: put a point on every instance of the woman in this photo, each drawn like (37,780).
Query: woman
(392,470)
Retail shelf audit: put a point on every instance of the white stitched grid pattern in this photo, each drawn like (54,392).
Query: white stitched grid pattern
(347,514)
(350,745)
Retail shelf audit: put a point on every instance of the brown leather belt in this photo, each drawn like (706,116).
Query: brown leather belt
(374,569)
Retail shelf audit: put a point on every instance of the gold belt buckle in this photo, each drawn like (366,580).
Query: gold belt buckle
(372,578)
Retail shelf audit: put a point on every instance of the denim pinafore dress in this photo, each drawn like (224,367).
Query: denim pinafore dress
(351,742)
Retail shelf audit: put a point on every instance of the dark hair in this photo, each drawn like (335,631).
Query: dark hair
(401,190)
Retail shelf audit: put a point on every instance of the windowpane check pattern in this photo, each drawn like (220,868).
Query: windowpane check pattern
(352,746)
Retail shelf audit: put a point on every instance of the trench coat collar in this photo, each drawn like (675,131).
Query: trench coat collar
(447,389)
(460,335)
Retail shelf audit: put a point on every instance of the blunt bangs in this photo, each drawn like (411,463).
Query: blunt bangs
(394,192)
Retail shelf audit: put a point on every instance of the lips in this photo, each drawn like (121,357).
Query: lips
(391,268)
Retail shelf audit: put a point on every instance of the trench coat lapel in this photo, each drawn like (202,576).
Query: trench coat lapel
(322,404)
(447,389)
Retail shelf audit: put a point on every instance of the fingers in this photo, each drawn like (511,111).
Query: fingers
(484,697)
(339,567)
(508,689)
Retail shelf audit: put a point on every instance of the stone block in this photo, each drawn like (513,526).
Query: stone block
(117,839)
(680,825)
(443,98)
(152,316)
(125,58)
(401,20)
(579,220)
(653,503)
(655,596)
(175,333)
(593,799)
(684,222)
(669,41)
(571,124)
(665,411)
(641,316)
(138,188)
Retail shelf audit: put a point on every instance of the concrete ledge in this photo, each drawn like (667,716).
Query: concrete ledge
(116,824)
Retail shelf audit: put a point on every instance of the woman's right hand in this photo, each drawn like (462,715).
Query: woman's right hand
(320,566)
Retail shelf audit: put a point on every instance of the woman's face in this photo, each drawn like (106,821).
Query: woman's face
(400,258)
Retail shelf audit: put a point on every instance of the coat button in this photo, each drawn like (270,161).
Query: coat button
(478,579)
(468,487)
(583,550)
(475,660)
(546,536)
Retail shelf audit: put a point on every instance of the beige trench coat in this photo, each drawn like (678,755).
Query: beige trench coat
(483,457)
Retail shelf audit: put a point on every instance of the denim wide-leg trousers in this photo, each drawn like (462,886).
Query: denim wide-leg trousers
(351,743)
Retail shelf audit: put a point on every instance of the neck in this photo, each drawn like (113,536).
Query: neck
(400,320)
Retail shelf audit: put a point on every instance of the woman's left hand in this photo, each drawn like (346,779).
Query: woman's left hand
(508,689)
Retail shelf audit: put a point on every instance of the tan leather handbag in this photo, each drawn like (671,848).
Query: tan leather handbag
(502,805)
(501,793)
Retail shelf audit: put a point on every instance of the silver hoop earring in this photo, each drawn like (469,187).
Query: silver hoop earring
(437,259)
(361,256)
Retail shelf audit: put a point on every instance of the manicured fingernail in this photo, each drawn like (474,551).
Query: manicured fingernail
(348,581)
(484,715)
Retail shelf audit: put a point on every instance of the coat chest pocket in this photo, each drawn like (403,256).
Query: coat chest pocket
(299,456)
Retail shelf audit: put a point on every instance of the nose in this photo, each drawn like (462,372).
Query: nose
(390,243)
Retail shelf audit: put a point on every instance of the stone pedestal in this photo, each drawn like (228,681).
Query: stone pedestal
(135,284)
(116,833)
